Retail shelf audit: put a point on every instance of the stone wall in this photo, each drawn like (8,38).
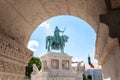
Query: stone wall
(13,59)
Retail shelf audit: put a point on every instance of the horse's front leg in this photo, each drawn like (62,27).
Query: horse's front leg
(50,43)
(49,47)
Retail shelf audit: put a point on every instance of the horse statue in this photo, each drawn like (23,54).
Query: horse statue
(51,43)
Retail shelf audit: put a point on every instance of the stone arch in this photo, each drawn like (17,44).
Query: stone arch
(19,18)
(92,30)
(24,16)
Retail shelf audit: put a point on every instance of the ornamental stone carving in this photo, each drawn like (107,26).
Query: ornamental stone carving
(13,59)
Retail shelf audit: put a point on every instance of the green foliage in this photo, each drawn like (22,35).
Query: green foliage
(29,68)
(89,77)
(84,77)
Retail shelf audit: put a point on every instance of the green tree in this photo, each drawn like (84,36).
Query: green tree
(89,77)
(84,77)
(29,68)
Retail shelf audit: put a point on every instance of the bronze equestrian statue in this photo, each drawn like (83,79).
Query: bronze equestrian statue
(56,42)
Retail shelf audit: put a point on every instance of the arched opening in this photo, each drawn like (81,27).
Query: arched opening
(81,36)
(81,41)
(80,45)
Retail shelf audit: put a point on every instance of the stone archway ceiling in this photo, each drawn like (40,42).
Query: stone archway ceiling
(19,18)
(112,18)
(115,3)
(112,4)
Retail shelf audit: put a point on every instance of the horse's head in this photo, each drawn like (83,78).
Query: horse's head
(49,37)
(48,41)
(65,38)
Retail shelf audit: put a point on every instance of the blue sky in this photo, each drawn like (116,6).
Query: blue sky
(81,40)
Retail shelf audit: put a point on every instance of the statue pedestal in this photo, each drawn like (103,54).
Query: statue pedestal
(55,66)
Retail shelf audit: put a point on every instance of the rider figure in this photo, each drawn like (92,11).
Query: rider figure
(57,35)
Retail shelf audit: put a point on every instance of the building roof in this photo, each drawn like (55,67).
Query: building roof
(92,66)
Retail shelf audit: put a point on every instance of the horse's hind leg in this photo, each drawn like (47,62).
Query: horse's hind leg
(62,50)
(48,48)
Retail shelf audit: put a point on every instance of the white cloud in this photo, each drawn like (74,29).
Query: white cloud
(76,59)
(45,25)
(33,45)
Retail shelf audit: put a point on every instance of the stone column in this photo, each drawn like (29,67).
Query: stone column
(49,63)
(60,64)
(107,53)
(70,64)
